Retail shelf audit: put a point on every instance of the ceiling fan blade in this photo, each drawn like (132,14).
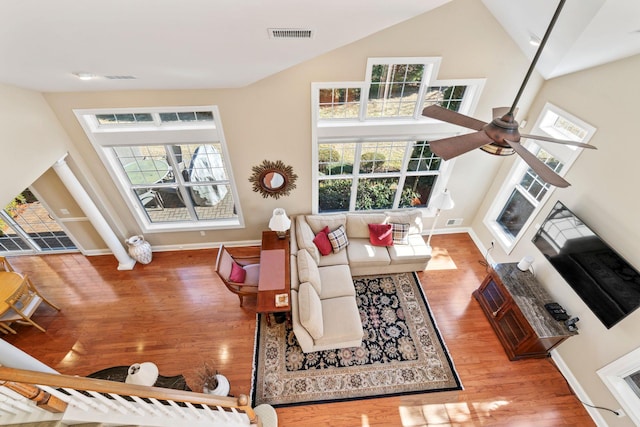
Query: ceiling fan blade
(540,168)
(559,141)
(449,148)
(439,113)
(501,111)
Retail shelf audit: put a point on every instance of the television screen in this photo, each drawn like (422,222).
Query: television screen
(607,283)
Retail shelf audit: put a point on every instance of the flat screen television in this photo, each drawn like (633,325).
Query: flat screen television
(607,283)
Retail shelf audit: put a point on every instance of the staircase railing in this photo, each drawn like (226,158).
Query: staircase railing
(29,396)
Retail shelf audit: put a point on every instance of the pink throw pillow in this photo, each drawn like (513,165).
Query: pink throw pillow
(238,274)
(381,234)
(322,241)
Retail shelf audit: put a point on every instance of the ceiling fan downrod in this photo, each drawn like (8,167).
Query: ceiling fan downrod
(535,58)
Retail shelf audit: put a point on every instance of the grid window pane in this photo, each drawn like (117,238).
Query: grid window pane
(334,195)
(515,213)
(417,191)
(394,90)
(449,97)
(378,157)
(336,159)
(376,193)
(422,159)
(339,103)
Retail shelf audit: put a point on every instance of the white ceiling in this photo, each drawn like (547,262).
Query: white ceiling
(193,44)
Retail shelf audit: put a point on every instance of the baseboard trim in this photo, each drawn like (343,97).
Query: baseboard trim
(577,388)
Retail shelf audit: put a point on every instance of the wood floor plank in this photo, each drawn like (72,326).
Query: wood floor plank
(176,313)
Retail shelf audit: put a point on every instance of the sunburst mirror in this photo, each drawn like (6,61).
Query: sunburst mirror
(273,179)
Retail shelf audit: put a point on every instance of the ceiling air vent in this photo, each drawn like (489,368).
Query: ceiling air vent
(120,77)
(290,33)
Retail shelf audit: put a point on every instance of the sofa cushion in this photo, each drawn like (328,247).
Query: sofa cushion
(336,282)
(362,253)
(310,310)
(358,223)
(381,234)
(318,222)
(342,322)
(305,238)
(322,242)
(293,266)
(400,233)
(417,250)
(413,217)
(338,239)
(308,270)
(334,259)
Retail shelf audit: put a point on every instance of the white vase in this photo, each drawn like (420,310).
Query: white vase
(222,389)
(139,249)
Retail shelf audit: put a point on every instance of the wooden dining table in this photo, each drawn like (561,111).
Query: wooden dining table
(10,281)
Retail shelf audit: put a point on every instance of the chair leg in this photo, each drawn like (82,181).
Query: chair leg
(240,296)
(31,322)
(5,328)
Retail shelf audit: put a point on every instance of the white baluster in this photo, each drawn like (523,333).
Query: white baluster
(163,408)
(18,404)
(91,402)
(180,410)
(195,411)
(146,406)
(69,400)
(108,402)
(127,404)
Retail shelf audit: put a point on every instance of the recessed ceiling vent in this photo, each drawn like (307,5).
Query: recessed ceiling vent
(290,33)
(120,77)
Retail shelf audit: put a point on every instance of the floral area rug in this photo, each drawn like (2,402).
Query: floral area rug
(402,352)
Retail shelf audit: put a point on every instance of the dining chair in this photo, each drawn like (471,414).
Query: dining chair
(4,264)
(22,304)
(251,266)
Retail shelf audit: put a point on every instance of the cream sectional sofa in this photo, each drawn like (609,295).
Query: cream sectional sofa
(324,310)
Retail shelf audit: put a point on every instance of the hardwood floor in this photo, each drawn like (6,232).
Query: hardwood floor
(176,313)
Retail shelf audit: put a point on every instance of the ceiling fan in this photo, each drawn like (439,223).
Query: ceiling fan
(500,137)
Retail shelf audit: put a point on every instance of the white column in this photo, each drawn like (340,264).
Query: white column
(95,217)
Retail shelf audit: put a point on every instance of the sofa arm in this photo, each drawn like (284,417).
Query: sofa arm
(304,339)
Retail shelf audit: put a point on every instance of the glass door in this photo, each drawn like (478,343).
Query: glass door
(27,227)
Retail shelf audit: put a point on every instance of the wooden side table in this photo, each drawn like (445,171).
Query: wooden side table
(274,285)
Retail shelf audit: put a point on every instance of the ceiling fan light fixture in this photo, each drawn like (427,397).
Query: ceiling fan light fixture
(497,149)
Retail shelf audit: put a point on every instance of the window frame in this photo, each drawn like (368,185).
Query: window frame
(105,137)
(566,154)
(389,129)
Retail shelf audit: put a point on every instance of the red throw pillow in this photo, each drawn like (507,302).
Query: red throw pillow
(322,241)
(238,274)
(381,234)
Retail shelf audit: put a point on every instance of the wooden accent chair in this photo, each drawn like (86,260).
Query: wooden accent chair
(4,264)
(22,304)
(251,264)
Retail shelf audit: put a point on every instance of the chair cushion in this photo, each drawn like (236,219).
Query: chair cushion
(322,241)
(338,239)
(238,274)
(310,310)
(380,234)
(400,233)
(308,270)
(253,274)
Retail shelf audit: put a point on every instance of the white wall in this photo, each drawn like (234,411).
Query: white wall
(603,194)
(31,139)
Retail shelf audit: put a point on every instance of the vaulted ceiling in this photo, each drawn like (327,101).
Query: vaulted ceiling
(191,44)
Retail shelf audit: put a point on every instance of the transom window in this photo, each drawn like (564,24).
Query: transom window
(371,148)
(524,192)
(173,178)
